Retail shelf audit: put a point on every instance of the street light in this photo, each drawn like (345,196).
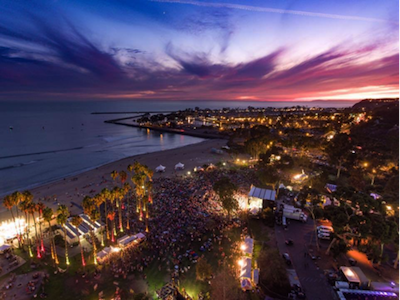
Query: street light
(243,247)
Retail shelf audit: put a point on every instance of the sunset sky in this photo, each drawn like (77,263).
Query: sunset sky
(199,50)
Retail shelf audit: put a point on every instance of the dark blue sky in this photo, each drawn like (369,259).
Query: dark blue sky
(226,50)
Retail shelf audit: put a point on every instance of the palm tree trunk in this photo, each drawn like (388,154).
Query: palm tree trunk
(16,228)
(330,246)
(37,240)
(80,246)
(106,211)
(41,235)
(94,247)
(27,235)
(66,246)
(21,237)
(121,229)
(53,246)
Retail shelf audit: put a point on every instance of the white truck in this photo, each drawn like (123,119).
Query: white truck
(294,214)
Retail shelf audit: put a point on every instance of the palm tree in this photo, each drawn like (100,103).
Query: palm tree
(62,218)
(48,216)
(142,179)
(90,209)
(17,198)
(39,208)
(105,193)
(119,195)
(24,206)
(114,174)
(31,211)
(111,216)
(77,221)
(94,215)
(127,190)
(113,198)
(98,200)
(8,202)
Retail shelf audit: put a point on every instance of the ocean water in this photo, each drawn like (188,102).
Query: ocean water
(51,140)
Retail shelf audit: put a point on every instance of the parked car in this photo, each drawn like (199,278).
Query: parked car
(286,257)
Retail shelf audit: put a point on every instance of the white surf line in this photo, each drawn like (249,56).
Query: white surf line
(275,10)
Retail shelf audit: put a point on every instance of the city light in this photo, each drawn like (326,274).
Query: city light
(243,247)
(241,263)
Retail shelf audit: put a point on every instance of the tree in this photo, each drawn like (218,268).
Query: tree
(62,218)
(203,269)
(39,208)
(8,202)
(77,221)
(274,279)
(225,286)
(94,215)
(268,217)
(396,245)
(338,150)
(339,247)
(48,216)
(31,210)
(225,189)
(24,206)
(142,175)
(17,198)
(382,231)
(90,209)
(105,194)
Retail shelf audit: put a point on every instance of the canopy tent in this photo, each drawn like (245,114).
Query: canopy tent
(263,194)
(245,273)
(160,168)
(179,166)
(128,240)
(261,198)
(249,244)
(103,254)
(245,270)
(140,236)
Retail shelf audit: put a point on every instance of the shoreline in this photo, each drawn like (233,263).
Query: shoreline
(72,188)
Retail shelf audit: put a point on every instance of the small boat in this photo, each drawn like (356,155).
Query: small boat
(11,128)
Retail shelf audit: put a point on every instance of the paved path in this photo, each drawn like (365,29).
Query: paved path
(312,279)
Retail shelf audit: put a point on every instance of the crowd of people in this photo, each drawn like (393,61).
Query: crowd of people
(186,219)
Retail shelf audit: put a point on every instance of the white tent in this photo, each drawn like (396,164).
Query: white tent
(160,168)
(103,254)
(179,166)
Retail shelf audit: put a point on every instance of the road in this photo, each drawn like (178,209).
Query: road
(312,279)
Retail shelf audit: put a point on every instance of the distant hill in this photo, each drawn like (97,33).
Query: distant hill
(372,104)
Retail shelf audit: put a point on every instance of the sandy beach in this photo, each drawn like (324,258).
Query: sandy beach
(71,190)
